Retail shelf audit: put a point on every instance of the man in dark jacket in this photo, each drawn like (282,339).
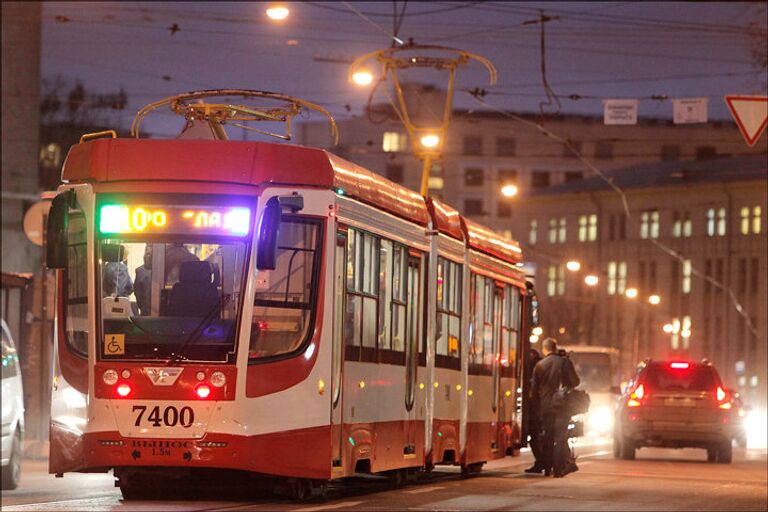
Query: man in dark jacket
(551,374)
(533,417)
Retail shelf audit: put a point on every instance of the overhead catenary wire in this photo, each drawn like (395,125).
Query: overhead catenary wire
(627,212)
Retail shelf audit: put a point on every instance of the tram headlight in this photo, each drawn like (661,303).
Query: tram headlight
(218,379)
(110,377)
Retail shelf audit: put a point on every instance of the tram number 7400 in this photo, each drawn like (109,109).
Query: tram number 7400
(170,417)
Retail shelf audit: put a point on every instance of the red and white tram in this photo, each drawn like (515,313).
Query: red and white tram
(274,309)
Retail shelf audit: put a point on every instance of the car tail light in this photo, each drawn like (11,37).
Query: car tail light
(720,394)
(722,398)
(124,390)
(636,396)
(679,365)
(203,390)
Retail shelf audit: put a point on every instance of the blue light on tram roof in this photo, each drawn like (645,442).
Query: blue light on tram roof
(238,220)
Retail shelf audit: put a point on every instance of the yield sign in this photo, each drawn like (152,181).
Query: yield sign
(751,115)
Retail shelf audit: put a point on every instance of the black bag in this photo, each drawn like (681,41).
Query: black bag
(571,401)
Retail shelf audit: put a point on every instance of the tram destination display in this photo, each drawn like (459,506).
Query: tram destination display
(179,219)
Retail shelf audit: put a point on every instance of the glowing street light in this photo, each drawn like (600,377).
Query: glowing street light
(509,190)
(534,338)
(277,12)
(591,280)
(430,141)
(654,299)
(631,293)
(573,266)
(362,77)
(668,328)
(537,331)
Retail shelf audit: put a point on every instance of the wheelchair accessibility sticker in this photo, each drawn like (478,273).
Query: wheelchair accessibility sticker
(114,344)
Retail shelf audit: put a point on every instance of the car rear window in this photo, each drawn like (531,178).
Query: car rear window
(694,378)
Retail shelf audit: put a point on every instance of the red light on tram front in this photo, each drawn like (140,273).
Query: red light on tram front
(203,391)
(124,390)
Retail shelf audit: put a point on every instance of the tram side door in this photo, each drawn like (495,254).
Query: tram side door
(497,405)
(337,362)
(412,343)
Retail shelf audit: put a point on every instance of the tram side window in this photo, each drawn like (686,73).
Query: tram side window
(510,328)
(448,310)
(362,291)
(385,294)
(488,322)
(76,300)
(285,297)
(399,298)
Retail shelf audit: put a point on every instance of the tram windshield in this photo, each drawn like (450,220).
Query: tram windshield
(170,300)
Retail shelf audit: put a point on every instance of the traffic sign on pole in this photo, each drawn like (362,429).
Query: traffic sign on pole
(750,114)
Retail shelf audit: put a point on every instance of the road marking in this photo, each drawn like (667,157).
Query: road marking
(421,490)
(329,507)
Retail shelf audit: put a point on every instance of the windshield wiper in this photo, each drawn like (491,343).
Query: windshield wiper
(207,320)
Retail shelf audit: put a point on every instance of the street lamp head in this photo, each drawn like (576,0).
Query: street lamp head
(277,12)
(509,190)
(430,140)
(591,280)
(573,266)
(537,331)
(631,293)
(362,77)
(668,328)
(534,338)
(654,299)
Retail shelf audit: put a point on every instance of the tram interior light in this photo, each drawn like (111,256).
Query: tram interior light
(278,12)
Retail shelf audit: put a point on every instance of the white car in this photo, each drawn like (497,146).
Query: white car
(12,412)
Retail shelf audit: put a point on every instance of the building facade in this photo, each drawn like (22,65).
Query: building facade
(694,249)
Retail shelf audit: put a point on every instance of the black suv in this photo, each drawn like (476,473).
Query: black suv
(674,404)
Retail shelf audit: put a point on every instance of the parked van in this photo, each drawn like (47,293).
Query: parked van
(12,412)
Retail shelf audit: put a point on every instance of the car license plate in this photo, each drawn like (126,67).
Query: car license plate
(679,402)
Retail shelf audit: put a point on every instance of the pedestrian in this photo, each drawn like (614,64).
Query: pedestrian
(142,287)
(533,417)
(553,373)
(116,280)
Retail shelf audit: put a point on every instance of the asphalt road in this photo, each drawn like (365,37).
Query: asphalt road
(658,480)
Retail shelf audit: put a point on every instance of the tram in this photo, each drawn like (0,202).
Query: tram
(274,310)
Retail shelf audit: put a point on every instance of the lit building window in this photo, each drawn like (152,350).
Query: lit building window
(587,228)
(649,224)
(611,278)
(685,331)
(561,231)
(533,235)
(561,279)
(721,222)
(621,282)
(394,142)
(757,219)
(555,280)
(711,222)
(686,276)
(551,280)
(675,338)
(687,226)
(682,225)
(745,220)
(553,231)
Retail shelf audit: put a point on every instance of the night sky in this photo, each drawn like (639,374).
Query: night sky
(595,50)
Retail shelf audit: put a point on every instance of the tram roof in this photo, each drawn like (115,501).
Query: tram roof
(257,163)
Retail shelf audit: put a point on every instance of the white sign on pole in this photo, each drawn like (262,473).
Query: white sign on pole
(620,111)
(750,114)
(689,110)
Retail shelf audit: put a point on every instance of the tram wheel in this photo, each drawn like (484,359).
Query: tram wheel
(472,469)
(300,489)
(397,477)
